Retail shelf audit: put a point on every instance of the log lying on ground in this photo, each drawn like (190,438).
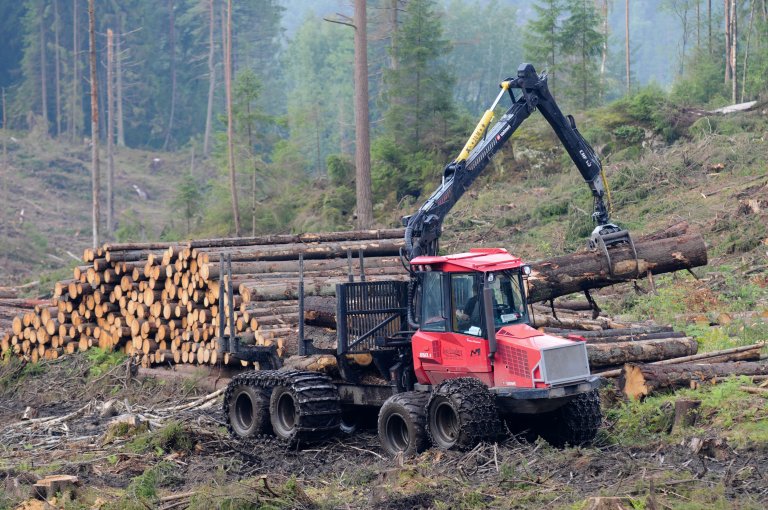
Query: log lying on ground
(743,353)
(589,269)
(611,354)
(638,381)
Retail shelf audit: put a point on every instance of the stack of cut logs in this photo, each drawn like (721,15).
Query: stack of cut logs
(160,301)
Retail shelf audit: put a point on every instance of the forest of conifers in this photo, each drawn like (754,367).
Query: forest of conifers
(433,66)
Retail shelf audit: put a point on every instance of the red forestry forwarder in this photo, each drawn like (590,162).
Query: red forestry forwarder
(454,343)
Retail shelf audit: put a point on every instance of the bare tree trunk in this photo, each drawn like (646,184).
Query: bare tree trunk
(393,16)
(255,169)
(626,43)
(5,173)
(734,43)
(230,119)
(746,52)
(698,24)
(76,110)
(604,56)
(43,77)
(727,15)
(110,132)
(709,24)
(56,56)
(211,80)
(172,49)
(119,84)
(95,172)
(362,121)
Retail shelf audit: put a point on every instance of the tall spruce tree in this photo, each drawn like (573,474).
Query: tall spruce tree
(420,116)
(581,44)
(543,38)
(419,88)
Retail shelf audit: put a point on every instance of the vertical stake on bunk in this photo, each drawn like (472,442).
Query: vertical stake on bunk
(230,293)
(351,276)
(222,282)
(362,265)
(302,344)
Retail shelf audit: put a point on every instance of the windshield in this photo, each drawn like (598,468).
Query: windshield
(508,299)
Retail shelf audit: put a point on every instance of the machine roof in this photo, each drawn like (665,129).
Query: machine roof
(478,259)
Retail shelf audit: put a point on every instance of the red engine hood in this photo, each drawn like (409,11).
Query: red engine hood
(524,335)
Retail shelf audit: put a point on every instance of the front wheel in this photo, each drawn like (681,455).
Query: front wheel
(461,413)
(576,423)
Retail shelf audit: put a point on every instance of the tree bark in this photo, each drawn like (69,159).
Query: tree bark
(230,119)
(172,50)
(119,84)
(110,132)
(727,18)
(604,51)
(638,381)
(626,44)
(75,101)
(611,354)
(709,25)
(211,79)
(379,248)
(95,172)
(43,77)
(734,52)
(362,121)
(57,67)
(309,237)
(589,270)
(746,52)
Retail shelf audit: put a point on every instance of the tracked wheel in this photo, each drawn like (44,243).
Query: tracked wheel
(576,423)
(461,413)
(246,407)
(298,407)
(402,424)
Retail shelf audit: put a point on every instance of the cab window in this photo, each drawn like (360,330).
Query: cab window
(466,304)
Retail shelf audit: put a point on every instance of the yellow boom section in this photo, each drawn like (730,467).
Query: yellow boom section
(482,126)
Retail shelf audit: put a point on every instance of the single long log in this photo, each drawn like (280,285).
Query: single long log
(323,237)
(638,381)
(260,291)
(635,330)
(379,248)
(211,270)
(611,354)
(590,269)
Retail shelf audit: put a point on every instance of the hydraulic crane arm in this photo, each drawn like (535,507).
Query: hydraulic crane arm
(424,227)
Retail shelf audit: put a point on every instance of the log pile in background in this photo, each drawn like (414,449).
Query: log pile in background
(159,301)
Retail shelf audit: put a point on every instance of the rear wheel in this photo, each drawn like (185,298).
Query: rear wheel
(305,407)
(461,413)
(401,423)
(247,410)
(576,423)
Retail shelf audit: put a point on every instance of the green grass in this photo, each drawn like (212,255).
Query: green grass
(741,418)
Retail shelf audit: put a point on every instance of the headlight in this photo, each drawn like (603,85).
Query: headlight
(526,270)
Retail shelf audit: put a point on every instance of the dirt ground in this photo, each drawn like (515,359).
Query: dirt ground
(198,457)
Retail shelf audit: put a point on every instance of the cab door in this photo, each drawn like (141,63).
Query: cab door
(451,343)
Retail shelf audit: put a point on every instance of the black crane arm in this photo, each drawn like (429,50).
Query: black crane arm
(423,228)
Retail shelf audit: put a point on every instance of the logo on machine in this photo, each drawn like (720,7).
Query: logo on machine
(474,352)
(452,353)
